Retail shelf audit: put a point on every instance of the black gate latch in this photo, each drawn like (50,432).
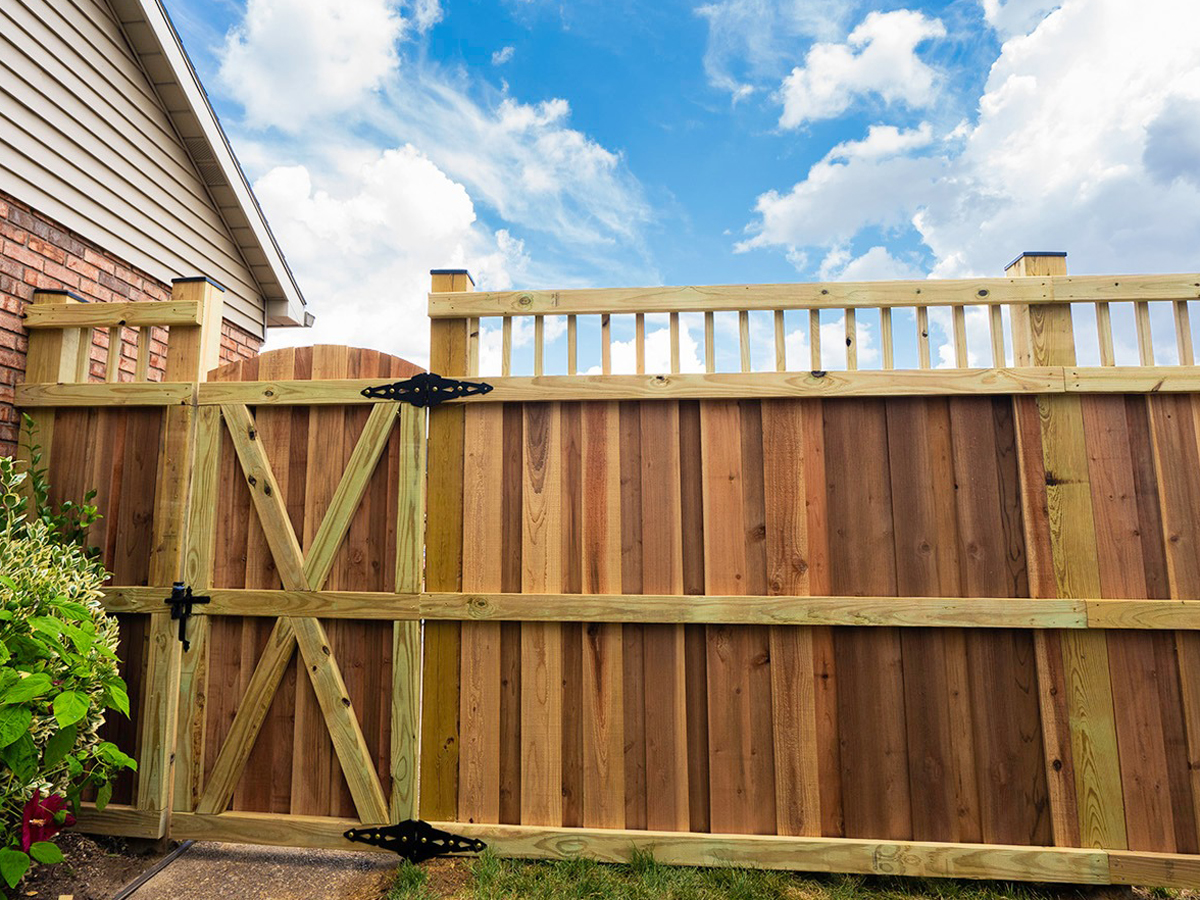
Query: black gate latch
(414,840)
(426,389)
(181,601)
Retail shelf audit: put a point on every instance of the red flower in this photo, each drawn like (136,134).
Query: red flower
(43,819)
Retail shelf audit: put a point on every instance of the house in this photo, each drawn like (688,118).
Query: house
(115,178)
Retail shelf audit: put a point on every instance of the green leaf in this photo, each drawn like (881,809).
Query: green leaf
(26,689)
(59,746)
(22,757)
(73,609)
(46,853)
(14,722)
(47,625)
(5,655)
(115,695)
(103,795)
(13,866)
(70,707)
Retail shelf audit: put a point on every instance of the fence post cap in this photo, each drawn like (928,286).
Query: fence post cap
(453,272)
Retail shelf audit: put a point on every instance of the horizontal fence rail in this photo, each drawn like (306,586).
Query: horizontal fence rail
(946,612)
(898,383)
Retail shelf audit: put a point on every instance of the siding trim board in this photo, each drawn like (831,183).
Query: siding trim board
(135,163)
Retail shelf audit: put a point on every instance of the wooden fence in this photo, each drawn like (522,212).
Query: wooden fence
(898,619)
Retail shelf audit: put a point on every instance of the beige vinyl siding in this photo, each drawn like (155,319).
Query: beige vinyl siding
(85,139)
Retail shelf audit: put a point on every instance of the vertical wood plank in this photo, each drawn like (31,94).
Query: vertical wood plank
(539,345)
(793,690)
(506,340)
(710,350)
(663,645)
(960,336)
(603,668)
(405,705)
(674,335)
(885,337)
(851,339)
(1104,335)
(814,339)
(1183,334)
(744,338)
(639,339)
(1145,339)
(541,642)
(573,345)
(996,328)
(606,344)
(923,360)
(443,565)
(479,760)
(780,343)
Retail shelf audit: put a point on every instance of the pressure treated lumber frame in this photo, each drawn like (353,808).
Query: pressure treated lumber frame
(871,857)
(918,612)
(451,304)
(104,315)
(1019,380)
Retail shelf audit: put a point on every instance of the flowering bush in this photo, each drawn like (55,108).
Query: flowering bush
(58,673)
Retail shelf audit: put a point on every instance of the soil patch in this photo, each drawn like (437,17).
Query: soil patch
(94,868)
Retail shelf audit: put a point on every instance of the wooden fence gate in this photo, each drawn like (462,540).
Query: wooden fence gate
(899,620)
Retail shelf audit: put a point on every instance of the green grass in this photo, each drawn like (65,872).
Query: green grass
(492,878)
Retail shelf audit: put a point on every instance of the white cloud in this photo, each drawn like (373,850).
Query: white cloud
(752,40)
(503,55)
(1082,143)
(858,184)
(1016,17)
(363,250)
(878,58)
(291,61)
(877,264)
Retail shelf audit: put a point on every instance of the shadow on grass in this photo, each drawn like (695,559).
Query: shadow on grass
(491,878)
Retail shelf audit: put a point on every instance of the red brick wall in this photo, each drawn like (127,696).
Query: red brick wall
(37,253)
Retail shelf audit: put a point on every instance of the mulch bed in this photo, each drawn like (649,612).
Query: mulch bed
(95,868)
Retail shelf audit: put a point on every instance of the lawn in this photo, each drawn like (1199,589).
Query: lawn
(491,878)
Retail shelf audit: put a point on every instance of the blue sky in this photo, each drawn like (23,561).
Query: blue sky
(567,144)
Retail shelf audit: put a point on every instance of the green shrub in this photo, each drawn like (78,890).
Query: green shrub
(58,672)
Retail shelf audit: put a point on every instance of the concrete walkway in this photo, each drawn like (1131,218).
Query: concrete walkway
(244,872)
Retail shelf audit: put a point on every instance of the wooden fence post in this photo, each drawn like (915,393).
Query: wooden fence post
(191,353)
(448,352)
(1043,336)
(55,356)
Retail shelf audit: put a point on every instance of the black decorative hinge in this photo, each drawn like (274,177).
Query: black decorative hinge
(426,389)
(181,601)
(414,840)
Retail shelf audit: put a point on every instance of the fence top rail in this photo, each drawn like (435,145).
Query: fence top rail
(831,295)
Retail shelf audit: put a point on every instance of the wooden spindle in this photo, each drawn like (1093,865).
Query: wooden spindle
(1141,316)
(744,338)
(1108,356)
(539,344)
(606,344)
(961,359)
(885,337)
(923,337)
(473,346)
(1183,333)
(112,366)
(780,343)
(640,342)
(851,340)
(675,342)
(996,325)
(814,339)
(83,359)
(506,347)
(145,341)
(572,346)
(710,344)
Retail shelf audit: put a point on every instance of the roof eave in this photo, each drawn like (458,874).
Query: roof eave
(153,38)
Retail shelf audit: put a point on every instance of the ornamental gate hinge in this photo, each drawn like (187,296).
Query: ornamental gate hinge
(414,840)
(426,389)
(181,601)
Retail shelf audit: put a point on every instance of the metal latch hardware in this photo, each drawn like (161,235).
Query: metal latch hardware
(181,601)
(426,389)
(414,840)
